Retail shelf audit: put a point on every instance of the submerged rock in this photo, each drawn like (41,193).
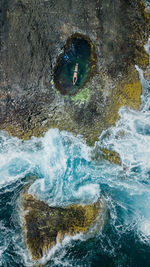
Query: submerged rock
(44,225)
(34,35)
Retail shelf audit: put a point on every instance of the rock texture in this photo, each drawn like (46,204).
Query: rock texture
(34,34)
(147,73)
(44,225)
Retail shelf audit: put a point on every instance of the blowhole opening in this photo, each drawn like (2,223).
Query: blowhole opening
(76,65)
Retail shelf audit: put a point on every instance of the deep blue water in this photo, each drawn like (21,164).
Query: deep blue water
(66,174)
(78,52)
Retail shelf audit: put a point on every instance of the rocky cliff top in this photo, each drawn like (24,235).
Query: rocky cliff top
(34,34)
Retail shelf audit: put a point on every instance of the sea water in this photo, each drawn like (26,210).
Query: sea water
(62,172)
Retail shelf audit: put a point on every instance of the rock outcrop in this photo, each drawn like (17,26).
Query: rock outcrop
(147,73)
(34,34)
(44,225)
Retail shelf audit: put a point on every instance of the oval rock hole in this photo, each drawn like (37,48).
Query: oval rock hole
(76,65)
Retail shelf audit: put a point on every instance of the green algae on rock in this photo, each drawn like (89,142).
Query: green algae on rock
(82,96)
(80,50)
(44,225)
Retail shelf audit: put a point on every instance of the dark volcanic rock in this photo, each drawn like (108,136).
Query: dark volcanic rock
(44,225)
(34,34)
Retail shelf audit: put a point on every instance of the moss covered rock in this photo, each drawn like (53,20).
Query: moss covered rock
(44,225)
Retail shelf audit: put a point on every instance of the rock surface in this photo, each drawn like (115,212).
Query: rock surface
(147,73)
(44,225)
(34,34)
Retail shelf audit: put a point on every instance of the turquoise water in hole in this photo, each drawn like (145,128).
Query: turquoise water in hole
(78,52)
(65,174)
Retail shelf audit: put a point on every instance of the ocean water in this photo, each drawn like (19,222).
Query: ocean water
(63,172)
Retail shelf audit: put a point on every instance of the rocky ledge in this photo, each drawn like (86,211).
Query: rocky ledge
(34,34)
(45,225)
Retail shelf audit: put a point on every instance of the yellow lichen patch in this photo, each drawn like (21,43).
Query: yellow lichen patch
(133,93)
(147,73)
(112,156)
(15,131)
(43,224)
(142,59)
(126,93)
(91,213)
(146,13)
(88,214)
(27,133)
(147,16)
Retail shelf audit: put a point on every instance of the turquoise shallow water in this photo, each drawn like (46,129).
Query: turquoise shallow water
(66,174)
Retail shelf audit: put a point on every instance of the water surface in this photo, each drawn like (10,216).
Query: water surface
(78,51)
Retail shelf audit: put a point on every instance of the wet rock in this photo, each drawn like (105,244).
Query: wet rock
(34,34)
(44,225)
(100,153)
(147,73)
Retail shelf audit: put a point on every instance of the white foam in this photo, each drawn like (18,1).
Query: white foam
(147,46)
(88,192)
